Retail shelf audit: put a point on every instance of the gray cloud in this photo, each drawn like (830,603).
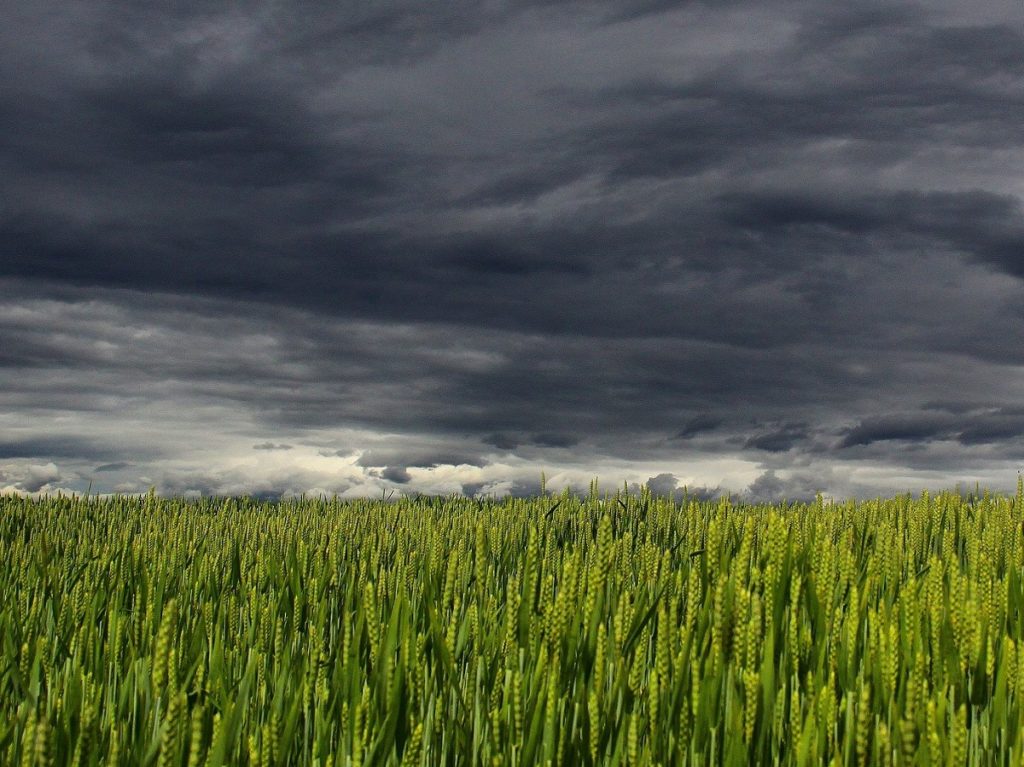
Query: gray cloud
(115,466)
(668,485)
(772,488)
(472,489)
(525,488)
(426,459)
(397,474)
(663,484)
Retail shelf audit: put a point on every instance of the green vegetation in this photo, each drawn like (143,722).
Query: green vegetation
(563,630)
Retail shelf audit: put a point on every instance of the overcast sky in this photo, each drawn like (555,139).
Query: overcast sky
(767,248)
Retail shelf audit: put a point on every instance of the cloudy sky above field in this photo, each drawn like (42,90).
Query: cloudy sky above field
(767,247)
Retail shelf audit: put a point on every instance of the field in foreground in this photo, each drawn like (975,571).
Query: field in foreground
(562,630)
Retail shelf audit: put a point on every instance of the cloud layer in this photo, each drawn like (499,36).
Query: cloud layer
(766,248)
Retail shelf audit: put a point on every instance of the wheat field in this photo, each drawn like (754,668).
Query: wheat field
(608,629)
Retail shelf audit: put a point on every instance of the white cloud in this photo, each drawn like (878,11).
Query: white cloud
(30,479)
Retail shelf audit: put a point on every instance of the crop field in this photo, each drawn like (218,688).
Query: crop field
(607,629)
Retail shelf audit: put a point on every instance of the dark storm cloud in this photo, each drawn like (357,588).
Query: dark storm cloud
(552,439)
(698,425)
(551,231)
(267,201)
(984,226)
(996,428)
(967,425)
(778,440)
(852,73)
(501,441)
(913,428)
(508,442)
(56,447)
(955,407)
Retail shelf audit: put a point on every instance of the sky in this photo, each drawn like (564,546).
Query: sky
(764,249)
